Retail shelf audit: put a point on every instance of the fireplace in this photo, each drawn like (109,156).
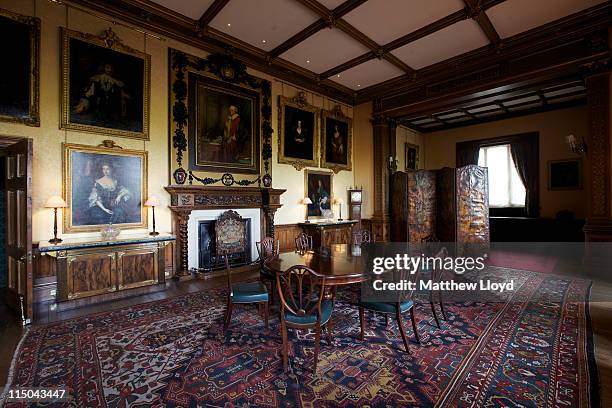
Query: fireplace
(207,259)
(201,232)
(191,203)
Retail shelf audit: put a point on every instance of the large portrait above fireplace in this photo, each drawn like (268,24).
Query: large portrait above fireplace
(223,131)
(220,117)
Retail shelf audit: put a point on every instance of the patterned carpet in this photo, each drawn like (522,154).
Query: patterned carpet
(534,350)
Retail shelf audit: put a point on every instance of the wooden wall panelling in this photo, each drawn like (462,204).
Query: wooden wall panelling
(286,234)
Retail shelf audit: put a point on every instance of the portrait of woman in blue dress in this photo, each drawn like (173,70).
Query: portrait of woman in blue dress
(106,189)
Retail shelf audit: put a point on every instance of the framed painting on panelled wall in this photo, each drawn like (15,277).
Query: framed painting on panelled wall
(411,153)
(336,140)
(102,186)
(298,124)
(105,85)
(19,75)
(318,186)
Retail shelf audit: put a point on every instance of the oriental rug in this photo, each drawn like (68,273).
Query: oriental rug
(534,350)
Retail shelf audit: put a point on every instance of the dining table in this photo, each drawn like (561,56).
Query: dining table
(340,264)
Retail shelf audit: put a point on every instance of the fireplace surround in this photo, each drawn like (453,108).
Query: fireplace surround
(186,198)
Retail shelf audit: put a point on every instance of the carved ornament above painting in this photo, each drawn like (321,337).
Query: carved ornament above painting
(221,128)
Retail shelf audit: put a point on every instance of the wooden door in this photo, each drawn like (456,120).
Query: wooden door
(137,267)
(19,227)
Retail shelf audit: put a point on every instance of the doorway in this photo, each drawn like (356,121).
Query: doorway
(16,225)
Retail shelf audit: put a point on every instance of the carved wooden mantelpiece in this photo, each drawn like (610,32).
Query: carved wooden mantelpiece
(184,199)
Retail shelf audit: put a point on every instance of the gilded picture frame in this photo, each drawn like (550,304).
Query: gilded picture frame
(105,85)
(298,130)
(104,185)
(411,156)
(20,80)
(224,126)
(336,140)
(319,187)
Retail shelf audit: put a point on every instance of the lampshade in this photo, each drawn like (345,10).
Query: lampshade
(152,201)
(338,200)
(307,201)
(55,202)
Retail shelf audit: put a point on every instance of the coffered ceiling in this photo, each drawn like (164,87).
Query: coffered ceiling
(394,52)
(361,43)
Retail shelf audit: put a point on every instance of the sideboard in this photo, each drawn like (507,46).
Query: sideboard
(98,270)
(327,233)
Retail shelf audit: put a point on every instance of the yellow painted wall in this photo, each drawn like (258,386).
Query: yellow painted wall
(405,135)
(48,138)
(553,127)
(363,156)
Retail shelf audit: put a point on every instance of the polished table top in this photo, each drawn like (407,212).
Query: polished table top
(341,264)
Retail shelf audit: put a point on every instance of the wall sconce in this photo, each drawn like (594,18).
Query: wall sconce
(306,201)
(577,146)
(393,164)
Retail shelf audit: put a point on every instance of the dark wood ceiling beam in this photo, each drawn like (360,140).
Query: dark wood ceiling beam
(347,65)
(478,14)
(317,8)
(317,26)
(344,26)
(347,7)
(426,30)
(298,38)
(211,12)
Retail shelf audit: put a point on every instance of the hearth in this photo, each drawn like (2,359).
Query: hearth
(207,259)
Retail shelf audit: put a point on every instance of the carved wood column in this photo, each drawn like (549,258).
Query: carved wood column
(181,219)
(598,225)
(381,151)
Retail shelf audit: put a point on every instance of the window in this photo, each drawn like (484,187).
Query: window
(505,186)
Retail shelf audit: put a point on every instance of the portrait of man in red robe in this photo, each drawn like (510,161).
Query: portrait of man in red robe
(230,135)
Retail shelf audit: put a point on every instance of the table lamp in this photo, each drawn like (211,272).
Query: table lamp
(339,201)
(55,202)
(307,201)
(153,202)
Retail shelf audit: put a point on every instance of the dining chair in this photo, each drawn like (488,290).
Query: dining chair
(303,306)
(362,236)
(432,247)
(266,248)
(230,239)
(404,303)
(303,242)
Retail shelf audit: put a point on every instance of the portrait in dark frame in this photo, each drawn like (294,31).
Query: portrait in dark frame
(106,86)
(411,158)
(19,79)
(103,187)
(337,141)
(222,126)
(298,132)
(318,186)
(565,174)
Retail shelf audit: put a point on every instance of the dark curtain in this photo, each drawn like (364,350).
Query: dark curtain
(467,153)
(526,156)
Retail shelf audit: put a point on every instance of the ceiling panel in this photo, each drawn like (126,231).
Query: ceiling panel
(189,8)
(263,23)
(515,16)
(366,74)
(386,20)
(449,42)
(331,4)
(324,50)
